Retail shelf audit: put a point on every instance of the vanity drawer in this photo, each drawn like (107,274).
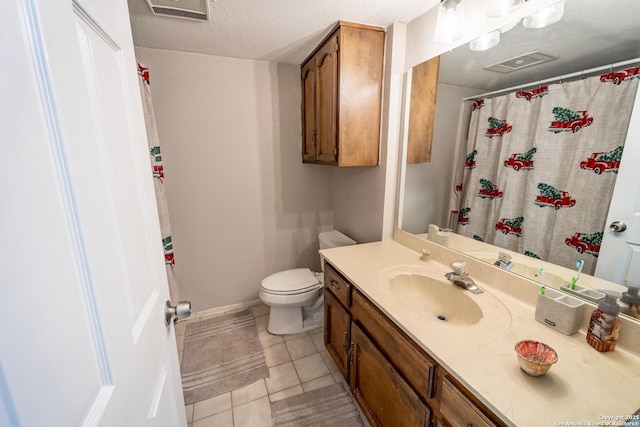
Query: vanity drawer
(458,410)
(418,369)
(338,285)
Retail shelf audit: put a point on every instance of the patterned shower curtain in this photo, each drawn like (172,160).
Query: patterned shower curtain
(541,165)
(158,175)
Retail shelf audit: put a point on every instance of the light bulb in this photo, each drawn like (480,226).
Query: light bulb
(450,23)
(496,8)
(545,17)
(486,41)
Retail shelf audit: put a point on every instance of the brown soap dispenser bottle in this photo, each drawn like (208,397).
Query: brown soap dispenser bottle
(604,326)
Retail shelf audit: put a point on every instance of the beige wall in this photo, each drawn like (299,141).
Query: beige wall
(242,204)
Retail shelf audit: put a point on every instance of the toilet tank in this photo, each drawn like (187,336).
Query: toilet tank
(333,239)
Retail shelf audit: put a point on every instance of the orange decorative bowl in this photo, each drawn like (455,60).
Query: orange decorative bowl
(535,358)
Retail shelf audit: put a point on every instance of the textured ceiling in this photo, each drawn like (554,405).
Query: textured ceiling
(591,33)
(276,30)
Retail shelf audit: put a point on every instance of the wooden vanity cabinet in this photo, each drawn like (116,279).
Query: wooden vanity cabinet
(342,97)
(418,368)
(337,332)
(382,394)
(337,319)
(459,410)
(394,381)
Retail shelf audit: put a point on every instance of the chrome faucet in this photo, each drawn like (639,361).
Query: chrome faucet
(504,261)
(461,278)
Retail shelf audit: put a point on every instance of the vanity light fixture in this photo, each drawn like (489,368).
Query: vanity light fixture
(497,8)
(545,17)
(485,42)
(450,21)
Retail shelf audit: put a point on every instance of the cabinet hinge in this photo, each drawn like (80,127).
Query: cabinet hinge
(335,151)
(350,354)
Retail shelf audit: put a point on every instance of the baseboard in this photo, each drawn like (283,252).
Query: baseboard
(224,309)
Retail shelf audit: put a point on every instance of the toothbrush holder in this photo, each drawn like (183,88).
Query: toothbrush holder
(559,311)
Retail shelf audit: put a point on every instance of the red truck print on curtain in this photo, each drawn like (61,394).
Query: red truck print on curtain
(156,160)
(603,161)
(477,104)
(586,243)
(617,77)
(510,225)
(463,216)
(497,127)
(488,190)
(167,244)
(470,160)
(535,93)
(549,196)
(567,120)
(519,161)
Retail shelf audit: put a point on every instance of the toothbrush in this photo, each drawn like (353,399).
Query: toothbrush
(579,264)
(543,280)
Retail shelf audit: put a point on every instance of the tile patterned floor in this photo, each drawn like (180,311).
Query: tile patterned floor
(297,364)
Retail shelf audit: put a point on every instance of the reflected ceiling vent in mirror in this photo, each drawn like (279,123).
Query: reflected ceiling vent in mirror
(522,61)
(185,9)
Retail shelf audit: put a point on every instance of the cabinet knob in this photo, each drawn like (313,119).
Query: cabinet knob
(334,284)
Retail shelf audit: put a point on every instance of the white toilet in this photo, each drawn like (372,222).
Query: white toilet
(296,296)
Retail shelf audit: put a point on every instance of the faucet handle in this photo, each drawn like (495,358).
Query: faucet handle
(504,257)
(458,267)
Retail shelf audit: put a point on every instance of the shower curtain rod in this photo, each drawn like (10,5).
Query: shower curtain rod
(558,78)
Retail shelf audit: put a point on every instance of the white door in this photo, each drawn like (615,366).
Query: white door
(619,258)
(82,279)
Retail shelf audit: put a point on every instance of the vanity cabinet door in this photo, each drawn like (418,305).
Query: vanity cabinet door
(337,332)
(458,410)
(384,397)
(417,367)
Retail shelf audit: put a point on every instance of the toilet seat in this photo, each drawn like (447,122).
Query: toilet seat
(291,282)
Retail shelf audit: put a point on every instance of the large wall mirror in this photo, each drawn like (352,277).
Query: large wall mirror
(591,37)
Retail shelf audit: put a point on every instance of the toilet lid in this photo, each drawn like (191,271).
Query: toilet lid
(290,281)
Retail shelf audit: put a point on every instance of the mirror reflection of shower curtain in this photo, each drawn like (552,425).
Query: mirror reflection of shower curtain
(540,167)
(158,181)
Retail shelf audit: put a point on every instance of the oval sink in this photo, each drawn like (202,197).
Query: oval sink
(436,298)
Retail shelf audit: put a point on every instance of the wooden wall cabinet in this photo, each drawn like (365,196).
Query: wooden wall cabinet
(394,381)
(342,97)
(422,110)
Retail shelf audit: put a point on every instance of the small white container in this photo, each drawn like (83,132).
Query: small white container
(559,311)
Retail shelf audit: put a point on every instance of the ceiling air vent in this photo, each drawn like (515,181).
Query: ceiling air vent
(522,61)
(186,9)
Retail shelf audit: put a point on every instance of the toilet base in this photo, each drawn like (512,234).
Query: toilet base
(294,320)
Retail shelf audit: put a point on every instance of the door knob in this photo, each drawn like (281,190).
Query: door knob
(618,226)
(176,312)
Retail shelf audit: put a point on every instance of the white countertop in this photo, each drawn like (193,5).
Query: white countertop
(584,386)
